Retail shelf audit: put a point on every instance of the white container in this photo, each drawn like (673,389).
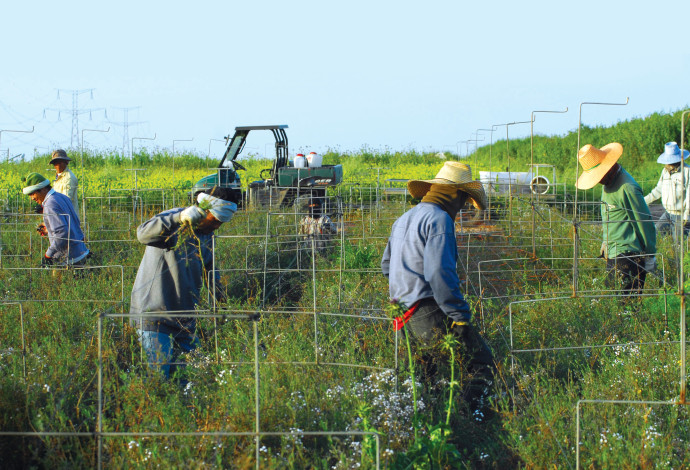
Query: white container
(314,160)
(300,161)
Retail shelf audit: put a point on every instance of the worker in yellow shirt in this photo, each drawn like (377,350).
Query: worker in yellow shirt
(65,181)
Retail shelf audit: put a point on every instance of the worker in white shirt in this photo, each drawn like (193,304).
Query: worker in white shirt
(674,196)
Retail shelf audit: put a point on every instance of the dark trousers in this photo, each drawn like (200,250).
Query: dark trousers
(626,272)
(429,325)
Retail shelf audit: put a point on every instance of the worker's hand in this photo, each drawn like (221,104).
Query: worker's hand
(46,261)
(192,214)
(650,263)
(42,230)
(461,329)
(603,251)
(38,209)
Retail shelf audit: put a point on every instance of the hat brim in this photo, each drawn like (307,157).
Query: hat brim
(32,189)
(475,190)
(666,159)
(590,178)
(57,159)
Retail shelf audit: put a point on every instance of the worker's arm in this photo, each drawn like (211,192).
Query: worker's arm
(58,231)
(641,217)
(440,271)
(656,192)
(386,260)
(160,230)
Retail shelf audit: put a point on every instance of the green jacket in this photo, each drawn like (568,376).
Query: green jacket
(628,224)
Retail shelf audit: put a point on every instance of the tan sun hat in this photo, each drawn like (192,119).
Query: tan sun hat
(596,163)
(455,173)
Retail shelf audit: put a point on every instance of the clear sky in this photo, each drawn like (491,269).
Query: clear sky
(343,75)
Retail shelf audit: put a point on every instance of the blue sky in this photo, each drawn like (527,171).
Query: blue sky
(343,75)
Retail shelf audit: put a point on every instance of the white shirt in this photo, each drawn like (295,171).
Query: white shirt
(675,200)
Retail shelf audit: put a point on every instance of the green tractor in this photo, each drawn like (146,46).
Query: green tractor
(279,185)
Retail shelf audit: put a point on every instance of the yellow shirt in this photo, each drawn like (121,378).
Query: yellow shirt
(66,183)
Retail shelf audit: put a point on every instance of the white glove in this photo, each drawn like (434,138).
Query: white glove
(192,214)
(650,263)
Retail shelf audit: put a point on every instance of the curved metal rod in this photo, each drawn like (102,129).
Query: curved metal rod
(209,148)
(577,170)
(83,197)
(139,138)
(531,164)
(681,287)
(173,163)
(8,130)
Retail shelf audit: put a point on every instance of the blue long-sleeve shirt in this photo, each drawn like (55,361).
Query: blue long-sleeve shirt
(169,279)
(64,228)
(420,260)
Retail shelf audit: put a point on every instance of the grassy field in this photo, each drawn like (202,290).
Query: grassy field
(301,368)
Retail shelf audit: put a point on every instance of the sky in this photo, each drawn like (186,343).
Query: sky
(383,75)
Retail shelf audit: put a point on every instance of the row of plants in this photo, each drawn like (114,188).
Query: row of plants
(532,421)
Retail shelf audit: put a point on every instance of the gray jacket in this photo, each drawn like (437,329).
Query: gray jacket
(420,260)
(64,228)
(169,279)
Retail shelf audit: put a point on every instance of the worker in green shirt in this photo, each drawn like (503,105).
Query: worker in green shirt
(629,244)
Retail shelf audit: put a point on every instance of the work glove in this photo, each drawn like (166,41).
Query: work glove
(603,251)
(193,215)
(461,330)
(46,261)
(42,230)
(650,263)
(38,209)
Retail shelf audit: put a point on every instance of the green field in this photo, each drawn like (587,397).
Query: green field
(301,367)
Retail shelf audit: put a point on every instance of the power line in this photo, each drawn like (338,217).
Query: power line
(125,125)
(75,111)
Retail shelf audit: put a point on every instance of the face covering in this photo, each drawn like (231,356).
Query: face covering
(447,196)
(672,168)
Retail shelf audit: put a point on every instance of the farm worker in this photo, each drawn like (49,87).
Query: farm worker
(420,262)
(171,274)
(316,225)
(629,241)
(65,181)
(60,223)
(674,197)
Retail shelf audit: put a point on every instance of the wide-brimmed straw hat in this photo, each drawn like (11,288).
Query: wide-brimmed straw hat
(672,154)
(455,173)
(58,155)
(596,163)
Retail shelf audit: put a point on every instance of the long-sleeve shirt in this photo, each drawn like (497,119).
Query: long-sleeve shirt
(420,260)
(628,224)
(674,198)
(64,228)
(66,183)
(170,279)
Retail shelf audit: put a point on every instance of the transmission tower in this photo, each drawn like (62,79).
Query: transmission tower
(125,126)
(75,111)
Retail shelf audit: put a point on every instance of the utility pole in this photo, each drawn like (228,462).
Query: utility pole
(75,112)
(125,125)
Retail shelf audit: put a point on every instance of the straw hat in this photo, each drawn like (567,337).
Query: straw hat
(671,154)
(596,163)
(455,173)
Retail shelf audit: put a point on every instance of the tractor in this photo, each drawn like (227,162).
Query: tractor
(280,185)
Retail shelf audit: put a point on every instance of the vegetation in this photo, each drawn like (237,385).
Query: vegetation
(329,382)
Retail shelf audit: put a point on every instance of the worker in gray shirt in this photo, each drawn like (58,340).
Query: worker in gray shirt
(171,275)
(420,262)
